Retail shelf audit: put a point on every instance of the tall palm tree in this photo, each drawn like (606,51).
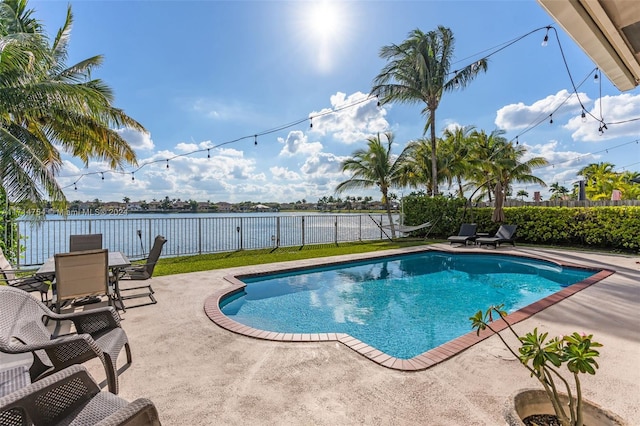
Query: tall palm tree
(600,180)
(46,105)
(419,71)
(374,166)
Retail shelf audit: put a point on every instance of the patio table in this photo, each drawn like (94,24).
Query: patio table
(117,261)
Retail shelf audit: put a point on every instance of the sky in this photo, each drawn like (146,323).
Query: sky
(205,77)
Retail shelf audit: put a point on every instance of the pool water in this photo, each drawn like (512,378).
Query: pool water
(403,305)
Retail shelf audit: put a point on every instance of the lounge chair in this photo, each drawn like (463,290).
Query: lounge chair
(71,396)
(98,335)
(466,234)
(142,272)
(505,234)
(85,242)
(23,279)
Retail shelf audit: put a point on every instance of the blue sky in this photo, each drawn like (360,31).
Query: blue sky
(204,73)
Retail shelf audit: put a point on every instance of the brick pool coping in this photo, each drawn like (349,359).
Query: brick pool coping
(420,362)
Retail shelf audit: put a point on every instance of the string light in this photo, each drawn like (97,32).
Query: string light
(583,116)
(75,187)
(311,122)
(474,66)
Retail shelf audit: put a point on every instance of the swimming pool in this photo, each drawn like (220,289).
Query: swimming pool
(399,307)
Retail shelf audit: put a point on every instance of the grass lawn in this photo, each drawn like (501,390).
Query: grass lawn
(206,262)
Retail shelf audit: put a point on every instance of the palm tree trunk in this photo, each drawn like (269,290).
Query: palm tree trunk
(387,205)
(434,159)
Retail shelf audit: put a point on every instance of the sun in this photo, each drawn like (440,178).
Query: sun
(325,20)
(324,25)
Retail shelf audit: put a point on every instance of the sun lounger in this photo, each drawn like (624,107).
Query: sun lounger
(466,234)
(505,234)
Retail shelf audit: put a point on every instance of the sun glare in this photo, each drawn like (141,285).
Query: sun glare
(323,25)
(324,19)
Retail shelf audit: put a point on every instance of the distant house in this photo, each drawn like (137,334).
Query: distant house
(224,207)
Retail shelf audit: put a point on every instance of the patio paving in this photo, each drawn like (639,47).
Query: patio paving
(198,373)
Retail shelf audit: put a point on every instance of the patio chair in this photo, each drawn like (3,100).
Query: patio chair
(23,279)
(85,242)
(98,335)
(81,274)
(466,234)
(71,396)
(142,272)
(505,234)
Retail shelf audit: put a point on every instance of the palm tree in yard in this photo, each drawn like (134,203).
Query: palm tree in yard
(419,71)
(455,148)
(374,166)
(558,192)
(522,194)
(47,106)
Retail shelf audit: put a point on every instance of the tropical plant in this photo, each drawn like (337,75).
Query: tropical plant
(544,360)
(522,194)
(47,106)
(558,192)
(454,149)
(419,71)
(374,166)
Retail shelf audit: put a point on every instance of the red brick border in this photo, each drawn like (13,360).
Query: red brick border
(420,362)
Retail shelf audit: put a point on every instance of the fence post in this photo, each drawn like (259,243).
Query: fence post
(302,230)
(335,232)
(277,231)
(199,235)
(360,228)
(239,229)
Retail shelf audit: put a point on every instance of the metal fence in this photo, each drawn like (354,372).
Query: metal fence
(195,235)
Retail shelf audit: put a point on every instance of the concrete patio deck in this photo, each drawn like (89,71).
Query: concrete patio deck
(200,374)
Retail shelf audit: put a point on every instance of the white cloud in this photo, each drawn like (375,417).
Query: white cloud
(297,143)
(353,124)
(137,140)
(618,108)
(283,173)
(321,167)
(520,116)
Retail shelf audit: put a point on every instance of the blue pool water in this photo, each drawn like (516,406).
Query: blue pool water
(402,305)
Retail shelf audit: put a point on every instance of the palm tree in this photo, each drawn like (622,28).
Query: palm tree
(558,192)
(418,71)
(600,180)
(522,194)
(485,148)
(454,149)
(374,166)
(46,105)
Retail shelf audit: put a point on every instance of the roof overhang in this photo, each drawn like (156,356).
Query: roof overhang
(607,30)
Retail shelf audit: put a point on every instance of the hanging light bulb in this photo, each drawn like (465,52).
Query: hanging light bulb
(517,141)
(583,116)
(378,104)
(595,77)
(75,188)
(167,163)
(102,176)
(545,40)
(600,132)
(551,118)
(456,83)
(255,139)
(133,176)
(311,122)
(208,153)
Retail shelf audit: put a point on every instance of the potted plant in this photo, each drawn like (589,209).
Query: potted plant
(544,358)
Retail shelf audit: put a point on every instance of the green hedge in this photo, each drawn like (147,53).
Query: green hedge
(602,227)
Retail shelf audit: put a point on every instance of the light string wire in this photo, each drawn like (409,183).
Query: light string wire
(494,50)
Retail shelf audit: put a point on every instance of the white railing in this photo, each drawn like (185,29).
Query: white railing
(195,235)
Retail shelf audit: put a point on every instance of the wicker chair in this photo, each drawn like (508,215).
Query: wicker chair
(22,330)
(29,282)
(71,396)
